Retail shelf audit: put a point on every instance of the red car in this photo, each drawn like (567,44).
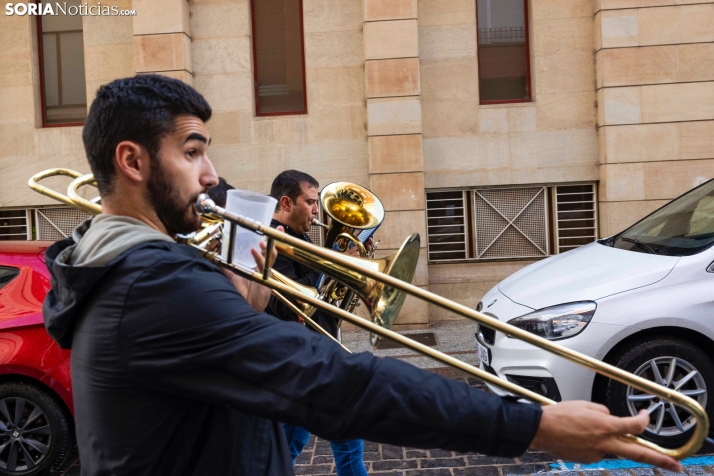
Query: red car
(36,411)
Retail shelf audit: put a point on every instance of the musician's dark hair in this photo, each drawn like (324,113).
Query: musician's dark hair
(219,192)
(289,184)
(142,109)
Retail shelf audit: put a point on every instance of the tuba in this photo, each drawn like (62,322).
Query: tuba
(354,214)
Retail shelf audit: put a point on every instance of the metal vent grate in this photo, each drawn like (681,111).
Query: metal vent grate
(446,226)
(58,223)
(576,210)
(13,225)
(511,223)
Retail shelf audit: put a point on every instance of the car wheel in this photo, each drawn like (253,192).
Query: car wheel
(36,430)
(674,363)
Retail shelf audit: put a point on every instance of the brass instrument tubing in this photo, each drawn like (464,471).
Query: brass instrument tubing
(208,232)
(358,244)
(216,259)
(35,179)
(268,257)
(304,316)
(80,202)
(320,258)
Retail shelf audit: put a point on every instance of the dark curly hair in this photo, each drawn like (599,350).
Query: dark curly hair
(219,192)
(142,109)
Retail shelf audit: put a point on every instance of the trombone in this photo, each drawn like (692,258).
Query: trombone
(211,233)
(359,274)
(377,283)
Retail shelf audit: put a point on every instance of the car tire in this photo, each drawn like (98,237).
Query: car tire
(38,433)
(638,358)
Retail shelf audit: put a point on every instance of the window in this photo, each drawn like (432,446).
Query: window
(503,57)
(7,275)
(683,227)
(61,47)
(509,223)
(278,53)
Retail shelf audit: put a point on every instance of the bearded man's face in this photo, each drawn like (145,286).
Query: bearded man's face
(179,173)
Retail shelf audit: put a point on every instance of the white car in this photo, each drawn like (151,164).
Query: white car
(642,300)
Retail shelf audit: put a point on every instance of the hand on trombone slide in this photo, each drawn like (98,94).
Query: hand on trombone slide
(585,432)
(256,294)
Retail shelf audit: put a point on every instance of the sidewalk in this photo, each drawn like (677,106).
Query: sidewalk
(453,338)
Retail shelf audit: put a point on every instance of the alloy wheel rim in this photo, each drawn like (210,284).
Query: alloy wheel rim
(674,373)
(25,434)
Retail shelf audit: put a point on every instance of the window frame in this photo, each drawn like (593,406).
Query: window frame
(529,89)
(41,60)
(255,66)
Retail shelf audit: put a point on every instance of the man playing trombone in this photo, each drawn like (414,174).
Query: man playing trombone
(176,371)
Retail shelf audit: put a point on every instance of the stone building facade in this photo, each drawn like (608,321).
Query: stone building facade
(620,117)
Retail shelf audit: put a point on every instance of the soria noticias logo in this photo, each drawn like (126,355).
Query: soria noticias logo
(62,8)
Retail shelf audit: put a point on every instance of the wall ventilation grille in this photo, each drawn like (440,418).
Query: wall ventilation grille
(511,223)
(446,226)
(57,223)
(576,210)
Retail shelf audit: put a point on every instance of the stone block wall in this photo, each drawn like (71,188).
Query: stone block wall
(655,80)
(25,147)
(552,139)
(329,142)
(394,118)
(623,94)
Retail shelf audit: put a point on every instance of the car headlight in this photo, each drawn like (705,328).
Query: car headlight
(557,322)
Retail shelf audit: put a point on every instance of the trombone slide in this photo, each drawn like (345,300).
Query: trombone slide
(358,273)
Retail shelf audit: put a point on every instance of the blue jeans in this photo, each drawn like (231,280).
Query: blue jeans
(347,454)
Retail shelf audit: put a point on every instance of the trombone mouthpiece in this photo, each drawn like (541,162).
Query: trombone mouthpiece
(204,204)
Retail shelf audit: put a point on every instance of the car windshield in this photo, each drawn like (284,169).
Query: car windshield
(683,227)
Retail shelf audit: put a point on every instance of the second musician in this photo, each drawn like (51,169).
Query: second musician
(298,206)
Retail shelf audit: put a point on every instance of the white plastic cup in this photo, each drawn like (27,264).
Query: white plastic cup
(252,205)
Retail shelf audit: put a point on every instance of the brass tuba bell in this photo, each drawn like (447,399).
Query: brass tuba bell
(355,213)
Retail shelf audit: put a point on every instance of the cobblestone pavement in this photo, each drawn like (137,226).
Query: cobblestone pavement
(382,459)
(454,339)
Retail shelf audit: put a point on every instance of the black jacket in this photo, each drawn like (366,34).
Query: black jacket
(174,373)
(304,275)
